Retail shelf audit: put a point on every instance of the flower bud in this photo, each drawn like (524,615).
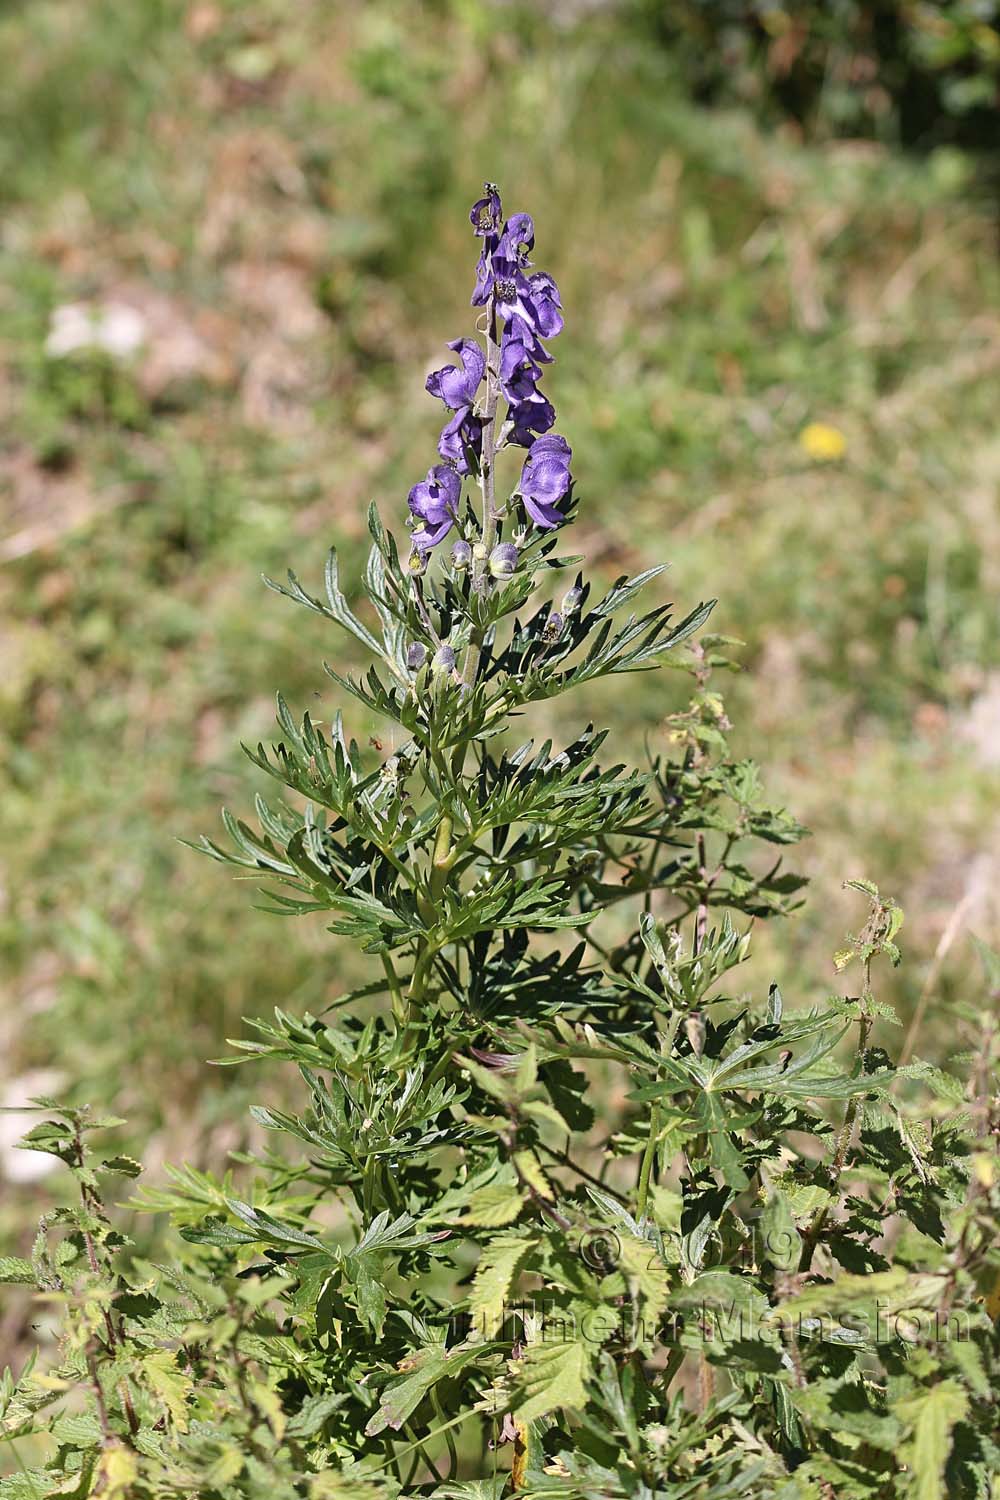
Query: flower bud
(416,655)
(416,563)
(461,556)
(479,552)
(571,601)
(503,560)
(444,659)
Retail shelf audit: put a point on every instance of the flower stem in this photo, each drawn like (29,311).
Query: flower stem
(487,481)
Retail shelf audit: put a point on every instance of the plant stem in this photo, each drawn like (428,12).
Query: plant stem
(487,480)
(648,1157)
(395,990)
(810,1238)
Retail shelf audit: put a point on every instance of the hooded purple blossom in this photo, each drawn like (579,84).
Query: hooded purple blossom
(435,502)
(519,372)
(528,419)
(486,215)
(545,480)
(458,387)
(547,305)
(464,431)
(529,411)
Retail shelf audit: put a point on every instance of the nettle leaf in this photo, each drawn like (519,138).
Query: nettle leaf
(551,1377)
(495,1205)
(166,1380)
(931,1416)
(14,1271)
(491,1285)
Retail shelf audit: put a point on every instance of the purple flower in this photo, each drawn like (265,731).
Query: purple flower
(435,502)
(486,215)
(458,388)
(463,432)
(512,291)
(545,480)
(525,334)
(529,412)
(528,419)
(484,279)
(518,239)
(519,373)
(547,304)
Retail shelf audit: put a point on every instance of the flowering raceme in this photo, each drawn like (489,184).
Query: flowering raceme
(521,308)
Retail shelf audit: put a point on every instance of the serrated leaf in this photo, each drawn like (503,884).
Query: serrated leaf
(161,1373)
(497,1267)
(550,1377)
(494,1205)
(530,1169)
(117,1471)
(931,1415)
(15,1271)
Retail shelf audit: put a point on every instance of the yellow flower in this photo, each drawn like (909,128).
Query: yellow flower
(822,442)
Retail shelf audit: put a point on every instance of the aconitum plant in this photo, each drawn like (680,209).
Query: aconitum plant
(554,1208)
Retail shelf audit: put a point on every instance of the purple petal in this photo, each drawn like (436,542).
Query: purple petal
(547,305)
(435,502)
(545,479)
(458,387)
(462,432)
(486,214)
(529,419)
(518,238)
(484,279)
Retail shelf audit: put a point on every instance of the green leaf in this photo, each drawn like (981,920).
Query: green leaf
(551,1376)
(931,1415)
(425,1368)
(170,1384)
(497,1267)
(15,1271)
(498,1203)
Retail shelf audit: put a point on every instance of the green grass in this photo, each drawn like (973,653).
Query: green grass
(283,193)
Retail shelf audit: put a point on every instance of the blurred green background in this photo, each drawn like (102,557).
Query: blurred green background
(234,241)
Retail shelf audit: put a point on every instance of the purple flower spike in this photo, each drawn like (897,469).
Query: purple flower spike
(545,480)
(458,388)
(435,502)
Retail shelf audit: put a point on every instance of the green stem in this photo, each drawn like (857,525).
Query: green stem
(648,1157)
(395,990)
